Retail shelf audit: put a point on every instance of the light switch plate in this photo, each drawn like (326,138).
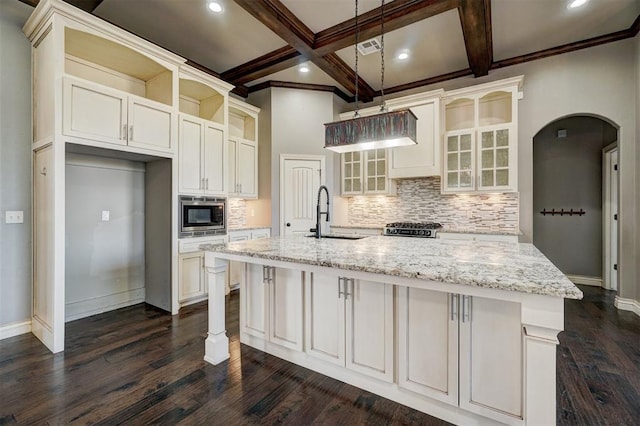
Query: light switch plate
(14,217)
(105,215)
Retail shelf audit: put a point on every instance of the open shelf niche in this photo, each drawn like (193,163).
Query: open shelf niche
(201,100)
(114,65)
(242,122)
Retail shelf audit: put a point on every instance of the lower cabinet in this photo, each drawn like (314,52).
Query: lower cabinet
(235,268)
(349,322)
(192,279)
(271,304)
(462,350)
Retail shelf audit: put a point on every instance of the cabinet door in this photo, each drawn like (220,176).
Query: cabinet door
(428,343)
(191,273)
(190,180)
(491,358)
(285,308)
(232,164)
(422,159)
(375,181)
(94,112)
(351,173)
(324,323)
(459,162)
(150,124)
(369,331)
(247,169)
(214,164)
(496,159)
(260,234)
(253,300)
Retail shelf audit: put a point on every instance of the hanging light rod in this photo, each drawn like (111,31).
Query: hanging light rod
(383,130)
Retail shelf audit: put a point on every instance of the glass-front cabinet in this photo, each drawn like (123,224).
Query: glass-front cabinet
(366,173)
(480,140)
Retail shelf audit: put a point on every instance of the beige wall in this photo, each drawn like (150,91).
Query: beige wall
(637,236)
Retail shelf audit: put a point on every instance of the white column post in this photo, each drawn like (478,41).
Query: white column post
(216,347)
(542,319)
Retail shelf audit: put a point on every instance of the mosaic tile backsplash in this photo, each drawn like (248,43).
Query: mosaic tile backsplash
(237,213)
(420,200)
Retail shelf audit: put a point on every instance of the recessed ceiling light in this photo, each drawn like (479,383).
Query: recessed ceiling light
(576,3)
(304,68)
(214,6)
(402,56)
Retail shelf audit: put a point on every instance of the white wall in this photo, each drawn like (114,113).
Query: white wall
(105,260)
(15,163)
(297,127)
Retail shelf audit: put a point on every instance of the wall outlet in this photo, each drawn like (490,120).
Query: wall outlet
(14,217)
(105,215)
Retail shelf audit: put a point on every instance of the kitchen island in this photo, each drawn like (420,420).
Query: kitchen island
(463,330)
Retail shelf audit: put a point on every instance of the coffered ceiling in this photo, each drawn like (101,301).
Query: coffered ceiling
(259,43)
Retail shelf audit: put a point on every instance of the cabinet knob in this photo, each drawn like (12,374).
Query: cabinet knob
(288,224)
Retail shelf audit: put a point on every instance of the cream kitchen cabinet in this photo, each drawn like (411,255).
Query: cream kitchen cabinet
(192,279)
(271,305)
(243,149)
(201,156)
(423,159)
(243,168)
(480,140)
(349,322)
(96,112)
(235,268)
(449,343)
(366,173)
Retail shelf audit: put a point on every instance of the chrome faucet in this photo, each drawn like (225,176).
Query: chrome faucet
(319,213)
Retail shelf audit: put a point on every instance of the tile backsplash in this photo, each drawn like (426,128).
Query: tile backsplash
(237,213)
(420,200)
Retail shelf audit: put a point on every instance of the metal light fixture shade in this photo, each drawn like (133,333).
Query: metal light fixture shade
(384,130)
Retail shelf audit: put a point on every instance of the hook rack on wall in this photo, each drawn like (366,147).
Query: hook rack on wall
(563,212)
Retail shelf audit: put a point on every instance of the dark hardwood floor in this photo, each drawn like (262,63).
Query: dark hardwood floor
(139,365)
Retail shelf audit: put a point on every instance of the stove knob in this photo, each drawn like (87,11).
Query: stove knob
(421,232)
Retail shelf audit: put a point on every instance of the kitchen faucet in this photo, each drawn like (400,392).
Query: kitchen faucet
(318,212)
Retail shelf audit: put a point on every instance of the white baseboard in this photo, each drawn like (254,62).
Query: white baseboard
(98,305)
(15,329)
(627,305)
(585,280)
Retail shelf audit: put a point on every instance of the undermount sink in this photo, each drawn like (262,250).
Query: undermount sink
(339,237)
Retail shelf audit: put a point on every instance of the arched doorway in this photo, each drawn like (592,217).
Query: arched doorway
(568,157)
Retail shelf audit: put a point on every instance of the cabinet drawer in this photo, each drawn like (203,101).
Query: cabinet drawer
(193,244)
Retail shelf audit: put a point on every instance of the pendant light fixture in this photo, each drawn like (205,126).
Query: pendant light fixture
(383,130)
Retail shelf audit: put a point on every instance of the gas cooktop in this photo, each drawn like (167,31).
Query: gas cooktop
(412,229)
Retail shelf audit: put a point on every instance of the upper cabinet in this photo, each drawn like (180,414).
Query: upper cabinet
(424,158)
(202,153)
(243,149)
(480,140)
(366,173)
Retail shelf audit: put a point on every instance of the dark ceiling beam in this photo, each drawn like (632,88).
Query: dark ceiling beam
(570,47)
(272,62)
(275,16)
(303,86)
(397,14)
(86,5)
(428,81)
(475,17)
(32,3)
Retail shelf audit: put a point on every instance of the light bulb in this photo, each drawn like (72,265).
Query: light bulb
(304,69)
(214,7)
(402,56)
(576,3)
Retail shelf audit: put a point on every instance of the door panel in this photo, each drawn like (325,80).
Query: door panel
(324,318)
(369,331)
(94,112)
(286,308)
(214,160)
(232,159)
(189,156)
(247,164)
(301,180)
(254,295)
(428,343)
(491,358)
(191,276)
(150,124)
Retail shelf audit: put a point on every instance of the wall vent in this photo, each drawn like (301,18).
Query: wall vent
(369,46)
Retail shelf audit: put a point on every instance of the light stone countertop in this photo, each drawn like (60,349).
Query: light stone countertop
(445,229)
(506,266)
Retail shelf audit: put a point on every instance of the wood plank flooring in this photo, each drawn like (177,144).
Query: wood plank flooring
(139,365)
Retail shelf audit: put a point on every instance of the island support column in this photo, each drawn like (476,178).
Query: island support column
(216,347)
(542,320)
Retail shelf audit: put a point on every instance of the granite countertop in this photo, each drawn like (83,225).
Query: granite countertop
(445,229)
(506,266)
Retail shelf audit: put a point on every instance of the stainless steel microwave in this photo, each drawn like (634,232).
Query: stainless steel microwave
(201,216)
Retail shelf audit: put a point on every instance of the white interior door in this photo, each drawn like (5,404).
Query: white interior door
(300,179)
